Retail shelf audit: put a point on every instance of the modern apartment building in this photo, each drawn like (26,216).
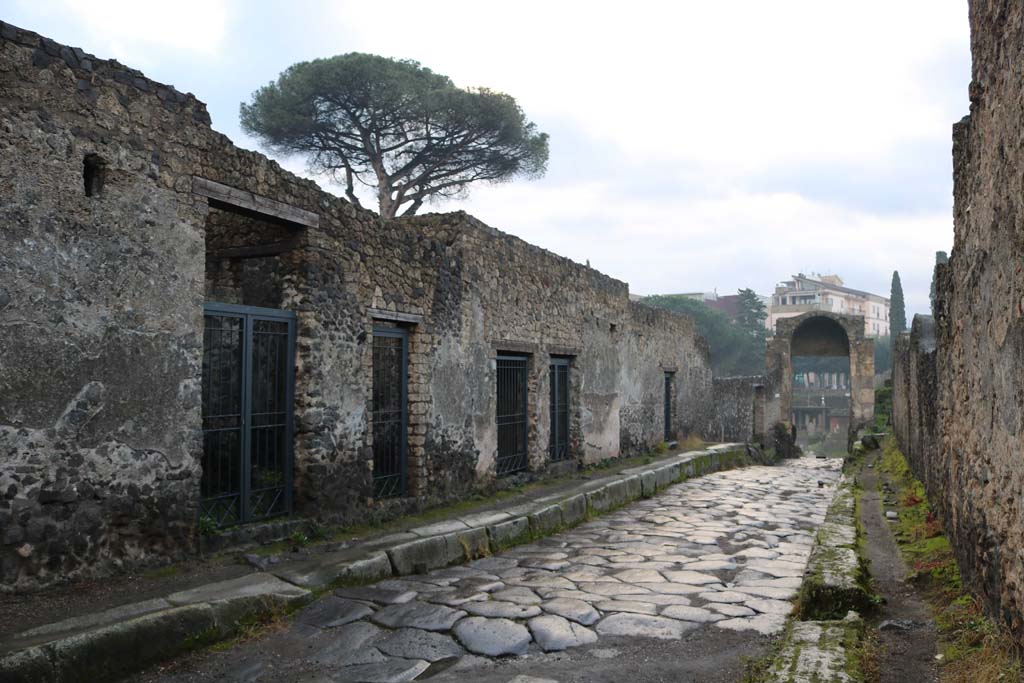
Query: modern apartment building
(827,293)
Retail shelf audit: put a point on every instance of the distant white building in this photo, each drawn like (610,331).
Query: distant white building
(827,293)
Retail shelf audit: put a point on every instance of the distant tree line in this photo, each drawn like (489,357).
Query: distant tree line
(737,346)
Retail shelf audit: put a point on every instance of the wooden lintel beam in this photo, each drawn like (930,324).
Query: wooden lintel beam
(256,251)
(254,202)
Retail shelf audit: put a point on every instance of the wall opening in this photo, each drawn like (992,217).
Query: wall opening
(559,380)
(94,174)
(250,257)
(512,414)
(389,415)
(821,385)
(670,432)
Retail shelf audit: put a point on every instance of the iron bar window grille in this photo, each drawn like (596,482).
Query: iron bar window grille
(558,447)
(247,397)
(669,431)
(389,417)
(511,414)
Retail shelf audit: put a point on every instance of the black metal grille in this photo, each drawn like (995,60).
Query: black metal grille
(389,416)
(512,414)
(558,448)
(669,432)
(247,413)
(223,368)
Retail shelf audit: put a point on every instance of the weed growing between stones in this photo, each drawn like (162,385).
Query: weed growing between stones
(975,649)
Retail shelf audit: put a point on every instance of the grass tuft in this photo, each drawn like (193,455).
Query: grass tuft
(975,648)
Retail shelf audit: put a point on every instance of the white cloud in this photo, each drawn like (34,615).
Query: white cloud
(138,32)
(698,144)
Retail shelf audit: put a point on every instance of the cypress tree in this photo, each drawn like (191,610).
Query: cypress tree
(897,309)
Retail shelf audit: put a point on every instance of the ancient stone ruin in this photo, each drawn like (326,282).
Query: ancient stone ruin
(194,338)
(958,401)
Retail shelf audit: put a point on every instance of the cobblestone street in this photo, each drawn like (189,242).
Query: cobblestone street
(708,557)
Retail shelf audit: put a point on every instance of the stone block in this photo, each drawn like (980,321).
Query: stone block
(464,546)
(26,666)
(256,585)
(114,651)
(574,509)
(546,520)
(616,493)
(335,568)
(664,477)
(634,487)
(598,500)
(648,483)
(510,532)
(419,556)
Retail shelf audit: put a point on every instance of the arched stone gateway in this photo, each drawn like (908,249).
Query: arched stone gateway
(819,333)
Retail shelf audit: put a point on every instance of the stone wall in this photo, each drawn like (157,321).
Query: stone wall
(737,415)
(103,277)
(972,465)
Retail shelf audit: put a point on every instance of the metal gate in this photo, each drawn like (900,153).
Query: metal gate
(248,397)
(511,414)
(558,448)
(389,416)
(669,432)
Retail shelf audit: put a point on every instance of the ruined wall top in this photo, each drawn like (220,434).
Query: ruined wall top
(85,65)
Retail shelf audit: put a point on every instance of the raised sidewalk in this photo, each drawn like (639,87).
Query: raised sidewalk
(114,642)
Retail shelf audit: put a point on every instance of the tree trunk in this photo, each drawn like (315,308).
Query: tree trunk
(388,206)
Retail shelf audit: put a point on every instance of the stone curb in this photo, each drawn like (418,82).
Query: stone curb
(815,652)
(835,581)
(814,649)
(114,643)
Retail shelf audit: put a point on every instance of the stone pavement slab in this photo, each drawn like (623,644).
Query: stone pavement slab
(586,575)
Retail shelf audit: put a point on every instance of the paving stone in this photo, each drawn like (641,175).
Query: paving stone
(777,568)
(418,615)
(492,564)
(576,610)
(770,606)
(627,606)
(492,637)
(639,575)
(517,594)
(674,588)
(554,633)
(724,596)
(643,626)
(499,608)
(710,565)
(616,588)
(456,598)
(685,613)
(331,612)
(393,670)
(765,624)
(731,610)
(690,577)
(381,596)
(414,643)
(659,599)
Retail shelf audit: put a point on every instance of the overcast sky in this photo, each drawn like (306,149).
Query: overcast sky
(694,145)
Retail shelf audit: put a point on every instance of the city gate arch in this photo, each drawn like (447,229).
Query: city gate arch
(820,333)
